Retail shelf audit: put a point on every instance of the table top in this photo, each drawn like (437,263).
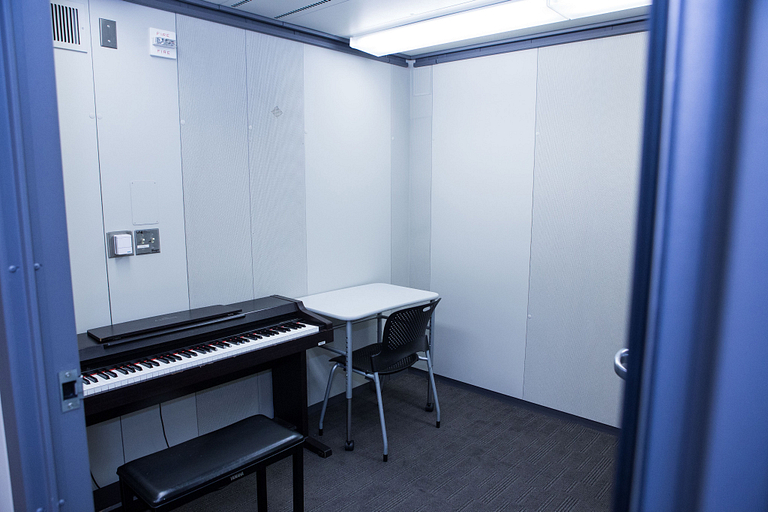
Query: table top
(360,302)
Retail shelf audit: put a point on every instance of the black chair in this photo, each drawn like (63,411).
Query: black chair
(403,338)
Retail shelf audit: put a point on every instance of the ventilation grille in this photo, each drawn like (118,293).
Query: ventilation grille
(302,9)
(65,22)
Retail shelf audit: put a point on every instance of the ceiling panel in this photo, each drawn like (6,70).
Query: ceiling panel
(347,18)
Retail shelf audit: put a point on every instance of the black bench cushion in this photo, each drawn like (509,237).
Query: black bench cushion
(168,474)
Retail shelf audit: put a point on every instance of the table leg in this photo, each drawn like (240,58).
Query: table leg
(350,444)
(430,406)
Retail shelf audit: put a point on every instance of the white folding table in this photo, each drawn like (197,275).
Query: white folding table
(361,303)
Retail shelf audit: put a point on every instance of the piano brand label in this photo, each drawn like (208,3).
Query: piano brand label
(236,476)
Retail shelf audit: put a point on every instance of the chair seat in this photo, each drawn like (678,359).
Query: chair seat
(176,471)
(361,360)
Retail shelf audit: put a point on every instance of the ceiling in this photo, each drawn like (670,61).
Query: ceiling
(347,18)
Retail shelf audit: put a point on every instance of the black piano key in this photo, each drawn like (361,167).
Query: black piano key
(147,364)
(164,360)
(111,373)
(103,375)
(91,378)
(124,372)
(86,381)
(184,354)
(129,368)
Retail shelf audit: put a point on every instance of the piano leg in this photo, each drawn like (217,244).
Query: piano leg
(289,398)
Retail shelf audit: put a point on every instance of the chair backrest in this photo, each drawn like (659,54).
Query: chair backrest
(404,335)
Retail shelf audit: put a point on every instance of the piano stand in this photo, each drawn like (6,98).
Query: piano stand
(287,360)
(316,447)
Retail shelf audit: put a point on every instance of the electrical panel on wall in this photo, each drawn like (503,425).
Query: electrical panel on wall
(147,241)
(69,22)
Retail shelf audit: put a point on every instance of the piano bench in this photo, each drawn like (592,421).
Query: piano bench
(166,479)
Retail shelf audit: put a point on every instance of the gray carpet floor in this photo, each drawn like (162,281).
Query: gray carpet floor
(489,454)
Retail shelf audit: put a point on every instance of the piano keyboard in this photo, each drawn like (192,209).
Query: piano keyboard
(125,374)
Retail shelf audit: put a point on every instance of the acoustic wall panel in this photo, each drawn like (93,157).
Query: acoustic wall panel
(137,113)
(348,155)
(276,147)
(420,159)
(400,174)
(82,188)
(589,117)
(142,433)
(223,405)
(214,148)
(105,450)
(6,497)
(482,176)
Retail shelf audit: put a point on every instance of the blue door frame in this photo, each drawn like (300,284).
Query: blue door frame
(47,448)
(695,432)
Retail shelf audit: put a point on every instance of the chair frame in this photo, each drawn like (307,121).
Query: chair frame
(375,378)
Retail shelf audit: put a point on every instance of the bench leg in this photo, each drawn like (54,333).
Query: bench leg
(261,489)
(127,501)
(298,479)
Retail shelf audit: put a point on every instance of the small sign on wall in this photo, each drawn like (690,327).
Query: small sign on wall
(162,43)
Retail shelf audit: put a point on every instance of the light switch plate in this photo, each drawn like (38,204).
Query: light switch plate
(108,33)
(119,244)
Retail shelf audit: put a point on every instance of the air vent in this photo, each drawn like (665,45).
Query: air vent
(300,9)
(68,25)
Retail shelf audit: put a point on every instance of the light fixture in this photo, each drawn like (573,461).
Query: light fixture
(573,9)
(484,21)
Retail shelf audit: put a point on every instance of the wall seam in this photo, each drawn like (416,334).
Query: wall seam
(533,189)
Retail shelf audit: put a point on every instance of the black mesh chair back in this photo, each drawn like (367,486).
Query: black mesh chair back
(404,335)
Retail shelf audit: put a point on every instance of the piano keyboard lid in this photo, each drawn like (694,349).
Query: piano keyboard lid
(162,324)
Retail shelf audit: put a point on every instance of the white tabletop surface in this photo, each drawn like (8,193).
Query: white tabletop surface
(359,302)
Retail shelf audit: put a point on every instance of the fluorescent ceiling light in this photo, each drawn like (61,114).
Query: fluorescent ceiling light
(485,21)
(573,9)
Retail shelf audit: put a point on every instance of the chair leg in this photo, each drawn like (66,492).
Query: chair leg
(434,388)
(261,489)
(327,395)
(298,479)
(377,382)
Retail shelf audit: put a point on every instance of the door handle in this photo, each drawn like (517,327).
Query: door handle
(620,363)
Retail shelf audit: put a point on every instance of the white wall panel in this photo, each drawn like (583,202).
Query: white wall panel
(400,103)
(348,154)
(223,405)
(6,496)
(105,451)
(82,188)
(589,117)
(420,159)
(137,110)
(214,142)
(482,174)
(277,182)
